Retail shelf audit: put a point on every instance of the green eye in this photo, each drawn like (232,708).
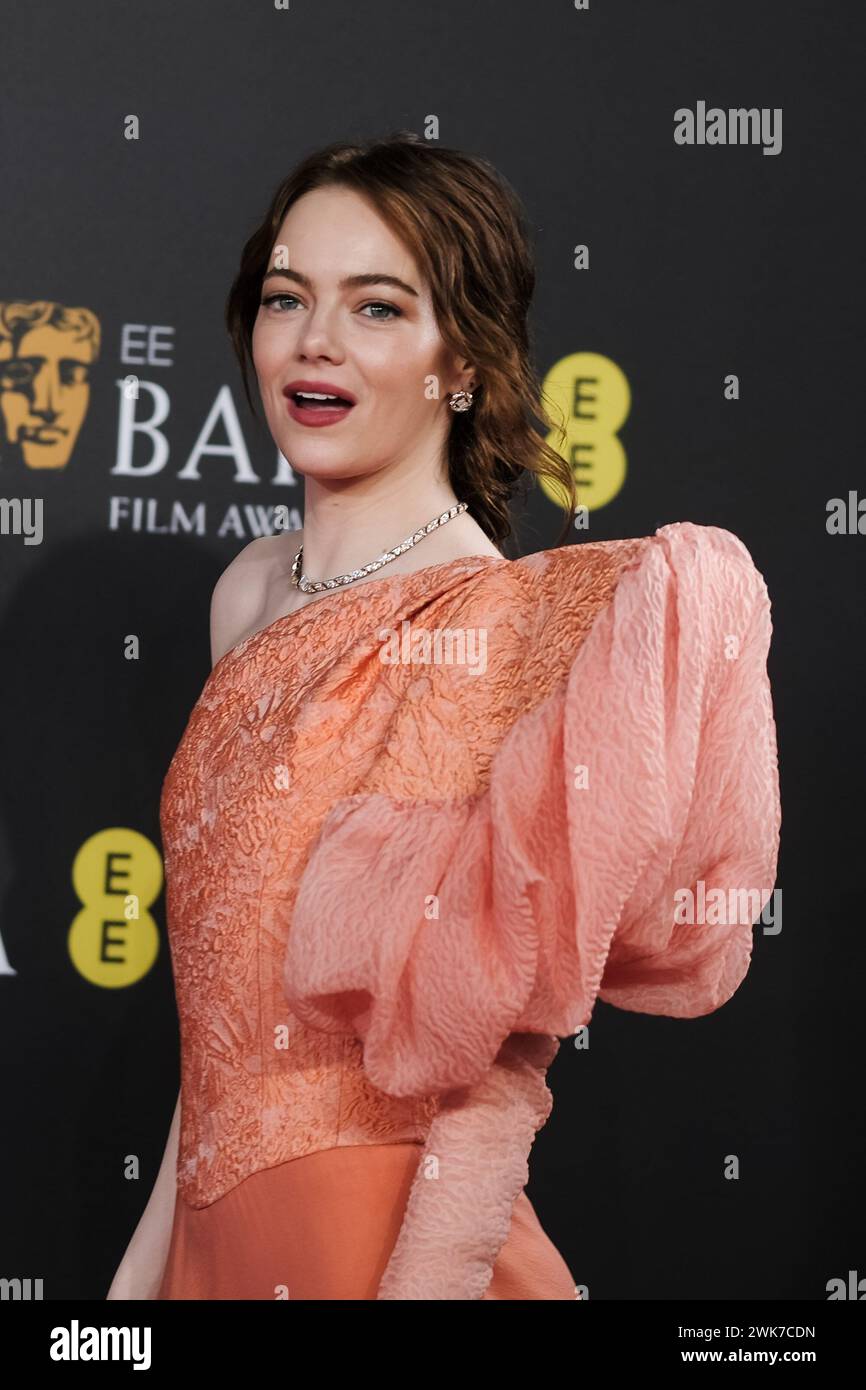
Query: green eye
(379,304)
(269,299)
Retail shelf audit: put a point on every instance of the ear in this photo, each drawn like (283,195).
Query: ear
(468,378)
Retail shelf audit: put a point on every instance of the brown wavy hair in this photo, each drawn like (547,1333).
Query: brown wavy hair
(467,230)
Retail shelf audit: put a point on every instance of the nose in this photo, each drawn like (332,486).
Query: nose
(319,336)
(46,390)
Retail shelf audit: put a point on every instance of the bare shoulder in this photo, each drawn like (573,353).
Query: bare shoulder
(240,595)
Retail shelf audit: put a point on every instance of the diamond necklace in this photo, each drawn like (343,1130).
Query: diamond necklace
(309,586)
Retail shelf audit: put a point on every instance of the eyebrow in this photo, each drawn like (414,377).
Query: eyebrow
(347,282)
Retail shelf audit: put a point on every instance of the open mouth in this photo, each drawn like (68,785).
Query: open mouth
(315,400)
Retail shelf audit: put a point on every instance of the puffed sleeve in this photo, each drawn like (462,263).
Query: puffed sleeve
(645,783)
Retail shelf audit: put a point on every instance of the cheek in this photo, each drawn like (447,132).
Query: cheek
(265,354)
(406,375)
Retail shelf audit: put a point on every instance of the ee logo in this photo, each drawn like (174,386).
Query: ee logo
(593,394)
(117,875)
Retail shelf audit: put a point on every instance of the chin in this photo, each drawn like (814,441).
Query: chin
(324,470)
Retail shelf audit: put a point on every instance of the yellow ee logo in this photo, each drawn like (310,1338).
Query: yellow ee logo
(113,940)
(593,394)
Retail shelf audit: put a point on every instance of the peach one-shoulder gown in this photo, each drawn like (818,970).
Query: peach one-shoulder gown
(412,831)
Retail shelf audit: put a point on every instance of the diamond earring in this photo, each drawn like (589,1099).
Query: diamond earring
(460,400)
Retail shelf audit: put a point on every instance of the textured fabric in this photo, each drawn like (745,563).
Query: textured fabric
(322,1228)
(413,830)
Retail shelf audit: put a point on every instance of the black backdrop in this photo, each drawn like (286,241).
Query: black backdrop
(704,261)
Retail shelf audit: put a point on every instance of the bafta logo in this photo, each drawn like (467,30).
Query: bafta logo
(46,352)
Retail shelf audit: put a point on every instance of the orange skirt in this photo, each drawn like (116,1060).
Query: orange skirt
(323,1227)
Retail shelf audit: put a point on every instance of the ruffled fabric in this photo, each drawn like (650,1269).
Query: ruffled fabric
(458,938)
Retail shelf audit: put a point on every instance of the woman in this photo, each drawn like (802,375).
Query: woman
(432,802)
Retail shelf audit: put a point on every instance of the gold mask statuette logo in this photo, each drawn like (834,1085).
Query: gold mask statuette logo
(46,352)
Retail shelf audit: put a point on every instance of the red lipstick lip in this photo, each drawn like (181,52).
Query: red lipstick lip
(316,416)
(325,388)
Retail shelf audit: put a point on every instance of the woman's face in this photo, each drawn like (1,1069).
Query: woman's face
(376,342)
